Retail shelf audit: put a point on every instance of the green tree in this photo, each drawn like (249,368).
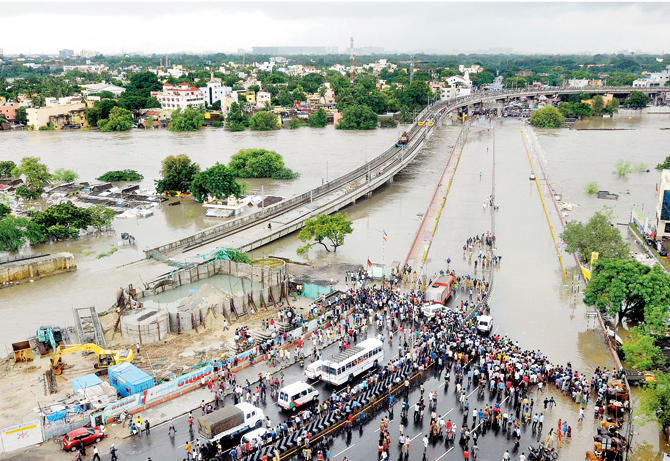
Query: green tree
(66,176)
(187,120)
(629,289)
(106,95)
(294,123)
(264,121)
(101,217)
(7,166)
(217,181)
(12,233)
(641,350)
(298,94)
(655,400)
(236,120)
(612,107)
(416,94)
(326,230)
(4,210)
(100,111)
(597,104)
(358,117)
(36,173)
(177,174)
(20,114)
(318,119)
(259,163)
(121,175)
(284,97)
(547,117)
(637,99)
(119,120)
(62,221)
(661,166)
(598,235)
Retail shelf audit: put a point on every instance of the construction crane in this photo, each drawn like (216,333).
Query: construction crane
(106,357)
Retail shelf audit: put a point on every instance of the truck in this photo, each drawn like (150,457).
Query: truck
(441,289)
(230,421)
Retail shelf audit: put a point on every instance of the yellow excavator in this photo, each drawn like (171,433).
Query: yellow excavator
(106,357)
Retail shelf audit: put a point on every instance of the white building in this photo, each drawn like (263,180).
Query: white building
(97,88)
(263,98)
(95,68)
(215,91)
(453,92)
(473,69)
(653,79)
(179,97)
(457,80)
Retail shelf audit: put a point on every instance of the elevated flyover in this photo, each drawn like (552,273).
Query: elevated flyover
(251,231)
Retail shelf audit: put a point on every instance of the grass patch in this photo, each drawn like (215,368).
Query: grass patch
(641,167)
(109,252)
(592,188)
(190,214)
(88,252)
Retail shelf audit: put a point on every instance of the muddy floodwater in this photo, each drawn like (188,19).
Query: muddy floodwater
(533,302)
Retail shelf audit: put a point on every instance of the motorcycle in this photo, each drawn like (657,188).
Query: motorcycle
(121,417)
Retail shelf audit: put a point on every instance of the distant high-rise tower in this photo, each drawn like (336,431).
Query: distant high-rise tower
(351,62)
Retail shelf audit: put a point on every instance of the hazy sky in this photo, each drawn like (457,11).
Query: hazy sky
(165,27)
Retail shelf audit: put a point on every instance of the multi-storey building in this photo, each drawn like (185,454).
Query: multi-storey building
(179,97)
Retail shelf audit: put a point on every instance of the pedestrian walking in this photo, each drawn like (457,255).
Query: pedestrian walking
(188,450)
(172,428)
(96,455)
(147,427)
(112,451)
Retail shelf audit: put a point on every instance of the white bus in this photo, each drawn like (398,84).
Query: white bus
(346,365)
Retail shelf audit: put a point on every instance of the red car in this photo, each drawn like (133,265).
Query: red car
(72,440)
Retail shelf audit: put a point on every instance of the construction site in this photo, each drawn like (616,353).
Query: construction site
(170,327)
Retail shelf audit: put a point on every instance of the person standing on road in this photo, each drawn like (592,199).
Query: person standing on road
(171,428)
(188,450)
(425,445)
(147,427)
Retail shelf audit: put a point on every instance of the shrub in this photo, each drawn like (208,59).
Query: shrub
(121,175)
(28,194)
(592,188)
(217,124)
(623,167)
(547,117)
(387,123)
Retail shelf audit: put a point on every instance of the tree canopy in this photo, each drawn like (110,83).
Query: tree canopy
(628,288)
(547,117)
(121,175)
(100,111)
(264,121)
(259,163)
(598,235)
(36,173)
(7,166)
(120,119)
(177,174)
(358,117)
(187,120)
(326,230)
(236,119)
(637,99)
(655,401)
(66,176)
(217,181)
(318,119)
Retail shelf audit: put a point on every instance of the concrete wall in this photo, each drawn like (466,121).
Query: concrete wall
(37,267)
(145,326)
(62,426)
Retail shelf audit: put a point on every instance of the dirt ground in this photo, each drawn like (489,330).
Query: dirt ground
(22,384)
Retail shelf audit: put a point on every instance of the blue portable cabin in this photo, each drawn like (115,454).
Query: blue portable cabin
(127,379)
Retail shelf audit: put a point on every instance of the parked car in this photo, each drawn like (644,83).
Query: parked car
(72,440)
(484,324)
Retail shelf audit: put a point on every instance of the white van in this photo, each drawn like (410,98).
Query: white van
(484,324)
(296,394)
(431,310)
(313,370)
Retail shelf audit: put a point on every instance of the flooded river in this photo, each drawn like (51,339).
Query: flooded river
(532,302)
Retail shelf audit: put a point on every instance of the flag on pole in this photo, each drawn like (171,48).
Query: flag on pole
(369,263)
(385,236)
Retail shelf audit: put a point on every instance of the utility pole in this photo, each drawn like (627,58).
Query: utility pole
(351,62)
(411,69)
